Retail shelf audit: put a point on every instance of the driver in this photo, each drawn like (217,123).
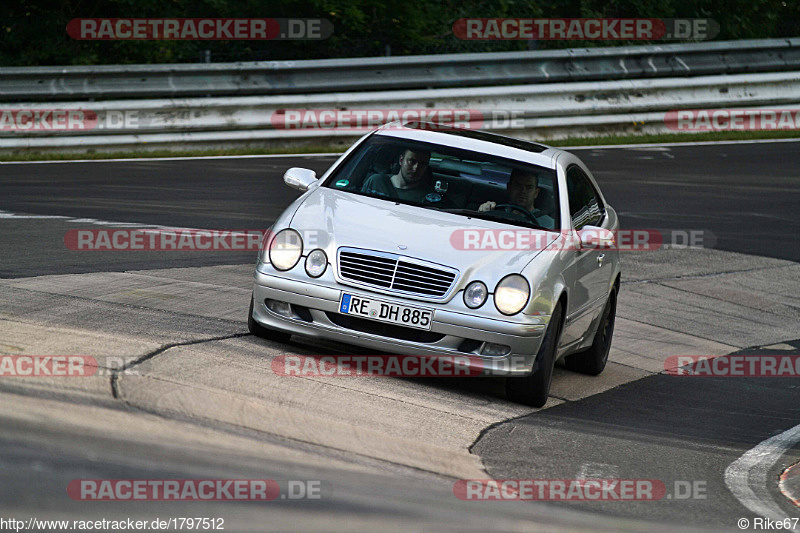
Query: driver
(409,184)
(522,190)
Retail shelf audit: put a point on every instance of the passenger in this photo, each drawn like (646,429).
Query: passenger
(409,184)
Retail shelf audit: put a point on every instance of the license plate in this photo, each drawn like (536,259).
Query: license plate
(412,317)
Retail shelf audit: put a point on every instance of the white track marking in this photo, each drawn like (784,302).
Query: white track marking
(176,158)
(598,471)
(145,228)
(188,158)
(5,215)
(699,143)
(748,477)
(780,346)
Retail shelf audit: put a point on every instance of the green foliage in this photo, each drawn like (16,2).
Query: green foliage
(33,32)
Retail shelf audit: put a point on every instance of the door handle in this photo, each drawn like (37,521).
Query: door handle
(600,259)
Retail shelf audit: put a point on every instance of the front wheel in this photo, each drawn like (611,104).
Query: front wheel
(260,331)
(534,389)
(593,360)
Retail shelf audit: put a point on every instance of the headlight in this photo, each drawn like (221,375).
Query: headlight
(475,294)
(511,294)
(316,262)
(285,249)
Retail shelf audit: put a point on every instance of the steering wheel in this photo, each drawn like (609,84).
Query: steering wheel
(519,209)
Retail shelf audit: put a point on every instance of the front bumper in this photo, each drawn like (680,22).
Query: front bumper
(454,332)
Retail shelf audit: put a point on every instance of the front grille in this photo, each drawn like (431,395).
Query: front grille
(395,273)
(384,330)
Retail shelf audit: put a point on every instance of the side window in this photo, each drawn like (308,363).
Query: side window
(585,206)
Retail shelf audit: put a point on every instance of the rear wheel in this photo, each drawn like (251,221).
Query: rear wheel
(260,331)
(593,360)
(534,389)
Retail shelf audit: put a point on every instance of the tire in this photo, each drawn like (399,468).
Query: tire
(534,389)
(593,360)
(260,331)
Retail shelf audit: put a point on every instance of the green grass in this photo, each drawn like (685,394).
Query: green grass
(338,148)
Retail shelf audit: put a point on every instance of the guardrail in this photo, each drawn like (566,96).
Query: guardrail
(541,112)
(39,84)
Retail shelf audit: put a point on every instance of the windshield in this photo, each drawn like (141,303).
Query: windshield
(458,181)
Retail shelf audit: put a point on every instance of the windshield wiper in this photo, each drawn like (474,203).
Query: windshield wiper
(487,215)
(387,198)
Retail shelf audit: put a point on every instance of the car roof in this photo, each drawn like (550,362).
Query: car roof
(474,140)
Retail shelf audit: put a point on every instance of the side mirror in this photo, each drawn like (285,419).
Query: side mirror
(299,178)
(594,237)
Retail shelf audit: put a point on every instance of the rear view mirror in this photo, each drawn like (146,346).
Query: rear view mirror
(299,178)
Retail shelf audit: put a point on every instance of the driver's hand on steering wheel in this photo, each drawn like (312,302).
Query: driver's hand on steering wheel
(487,206)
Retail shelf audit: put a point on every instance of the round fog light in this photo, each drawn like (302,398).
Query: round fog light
(281,308)
(495,350)
(475,294)
(316,263)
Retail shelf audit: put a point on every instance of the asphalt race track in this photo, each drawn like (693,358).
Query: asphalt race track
(197,397)
(743,196)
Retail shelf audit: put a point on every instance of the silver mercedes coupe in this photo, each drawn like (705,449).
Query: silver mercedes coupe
(434,241)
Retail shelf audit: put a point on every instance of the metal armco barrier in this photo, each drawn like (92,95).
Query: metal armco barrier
(538,111)
(39,84)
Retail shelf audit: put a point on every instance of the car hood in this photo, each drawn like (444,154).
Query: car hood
(330,219)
